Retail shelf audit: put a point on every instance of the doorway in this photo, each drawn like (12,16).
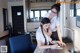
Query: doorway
(17,20)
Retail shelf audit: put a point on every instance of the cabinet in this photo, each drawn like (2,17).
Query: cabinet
(32,26)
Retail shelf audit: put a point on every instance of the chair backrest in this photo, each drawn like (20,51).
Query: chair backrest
(20,44)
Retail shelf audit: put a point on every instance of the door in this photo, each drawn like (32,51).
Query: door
(18,20)
(5,18)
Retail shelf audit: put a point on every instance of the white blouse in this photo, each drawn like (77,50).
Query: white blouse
(40,37)
(55,21)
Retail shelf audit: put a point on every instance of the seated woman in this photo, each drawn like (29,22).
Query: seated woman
(43,36)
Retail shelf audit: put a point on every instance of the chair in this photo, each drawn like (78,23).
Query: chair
(20,44)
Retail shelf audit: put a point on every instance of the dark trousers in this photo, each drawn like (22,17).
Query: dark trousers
(54,36)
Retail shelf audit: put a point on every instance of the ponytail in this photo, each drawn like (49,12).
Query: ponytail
(43,35)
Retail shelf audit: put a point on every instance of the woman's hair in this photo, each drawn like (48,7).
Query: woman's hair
(44,21)
(56,6)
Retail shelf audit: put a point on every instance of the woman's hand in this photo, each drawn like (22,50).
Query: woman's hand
(61,44)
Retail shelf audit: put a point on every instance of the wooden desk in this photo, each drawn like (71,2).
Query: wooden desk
(54,51)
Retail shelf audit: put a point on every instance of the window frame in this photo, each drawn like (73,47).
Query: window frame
(39,13)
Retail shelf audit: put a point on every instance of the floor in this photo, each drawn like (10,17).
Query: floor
(68,46)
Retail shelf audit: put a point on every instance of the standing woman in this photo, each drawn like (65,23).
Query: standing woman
(55,23)
(43,38)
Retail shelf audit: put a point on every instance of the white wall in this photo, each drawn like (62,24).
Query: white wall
(1,20)
(3,4)
(25,15)
(76,37)
(70,23)
(66,20)
(76,33)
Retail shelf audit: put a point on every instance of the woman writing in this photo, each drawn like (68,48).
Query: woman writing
(43,36)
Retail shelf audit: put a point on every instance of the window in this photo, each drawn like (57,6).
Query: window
(37,15)
(71,12)
(78,12)
(31,14)
(43,12)
(49,10)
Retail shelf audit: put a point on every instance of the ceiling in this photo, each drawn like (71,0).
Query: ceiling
(48,0)
(40,0)
(13,0)
(43,0)
(35,0)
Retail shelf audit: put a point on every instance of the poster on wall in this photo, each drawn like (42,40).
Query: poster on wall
(78,21)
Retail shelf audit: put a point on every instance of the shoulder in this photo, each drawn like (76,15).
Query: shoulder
(39,32)
(39,35)
(54,19)
(47,14)
(57,19)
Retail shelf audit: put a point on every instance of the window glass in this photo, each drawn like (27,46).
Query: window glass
(78,12)
(49,10)
(71,12)
(43,12)
(37,15)
(31,14)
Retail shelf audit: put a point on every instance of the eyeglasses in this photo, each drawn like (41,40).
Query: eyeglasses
(54,12)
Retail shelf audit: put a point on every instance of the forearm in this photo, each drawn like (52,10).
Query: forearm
(59,34)
(45,47)
(60,38)
(42,46)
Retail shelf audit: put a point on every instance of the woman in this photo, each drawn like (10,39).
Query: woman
(55,23)
(43,36)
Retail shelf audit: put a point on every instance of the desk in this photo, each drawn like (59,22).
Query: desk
(64,50)
(54,51)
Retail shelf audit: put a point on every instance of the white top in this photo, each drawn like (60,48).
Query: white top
(40,37)
(55,21)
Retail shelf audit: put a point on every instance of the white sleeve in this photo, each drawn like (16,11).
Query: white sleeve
(38,36)
(47,15)
(57,21)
